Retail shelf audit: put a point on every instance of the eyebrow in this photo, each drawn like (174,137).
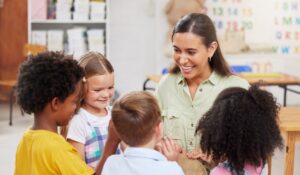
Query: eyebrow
(191,49)
(102,87)
(185,49)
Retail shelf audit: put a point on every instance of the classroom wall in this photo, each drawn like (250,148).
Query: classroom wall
(137,47)
(137,36)
(13,36)
(132,43)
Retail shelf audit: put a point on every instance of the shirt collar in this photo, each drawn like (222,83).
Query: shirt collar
(144,153)
(214,78)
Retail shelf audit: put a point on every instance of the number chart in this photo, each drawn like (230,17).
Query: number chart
(267,23)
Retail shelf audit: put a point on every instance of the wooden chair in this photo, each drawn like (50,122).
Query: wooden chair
(27,50)
(11,84)
(33,49)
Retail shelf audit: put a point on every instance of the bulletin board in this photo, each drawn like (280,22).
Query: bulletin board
(271,26)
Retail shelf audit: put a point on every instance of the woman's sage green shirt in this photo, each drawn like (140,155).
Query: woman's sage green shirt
(180,113)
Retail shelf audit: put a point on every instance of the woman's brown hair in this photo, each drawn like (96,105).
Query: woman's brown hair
(202,26)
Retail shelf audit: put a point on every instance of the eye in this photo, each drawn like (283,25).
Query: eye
(176,50)
(191,52)
(111,87)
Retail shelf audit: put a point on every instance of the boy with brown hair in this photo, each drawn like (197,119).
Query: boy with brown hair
(136,118)
(49,86)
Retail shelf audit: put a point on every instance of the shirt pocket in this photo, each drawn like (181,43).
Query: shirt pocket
(173,125)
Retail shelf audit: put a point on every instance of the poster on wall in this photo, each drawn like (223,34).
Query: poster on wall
(270,26)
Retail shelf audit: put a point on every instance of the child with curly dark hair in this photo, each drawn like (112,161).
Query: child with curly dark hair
(240,131)
(49,86)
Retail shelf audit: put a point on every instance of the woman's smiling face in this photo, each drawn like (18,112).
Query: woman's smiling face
(191,55)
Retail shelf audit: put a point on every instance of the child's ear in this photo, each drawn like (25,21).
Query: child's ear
(159,130)
(84,88)
(55,103)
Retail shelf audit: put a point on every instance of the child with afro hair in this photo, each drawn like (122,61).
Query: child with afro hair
(49,86)
(240,131)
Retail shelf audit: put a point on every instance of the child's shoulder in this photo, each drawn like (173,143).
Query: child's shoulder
(220,170)
(113,160)
(43,140)
(234,80)
(84,114)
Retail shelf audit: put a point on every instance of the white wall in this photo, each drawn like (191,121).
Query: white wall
(137,34)
(132,43)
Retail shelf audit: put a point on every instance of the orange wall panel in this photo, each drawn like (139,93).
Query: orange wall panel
(13,36)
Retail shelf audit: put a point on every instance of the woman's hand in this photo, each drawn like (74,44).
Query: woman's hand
(198,154)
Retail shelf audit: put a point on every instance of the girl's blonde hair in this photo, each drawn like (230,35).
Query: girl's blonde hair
(94,63)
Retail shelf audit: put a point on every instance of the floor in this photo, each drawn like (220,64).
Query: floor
(10,136)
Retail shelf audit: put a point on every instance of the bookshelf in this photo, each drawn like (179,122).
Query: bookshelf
(53,21)
(78,35)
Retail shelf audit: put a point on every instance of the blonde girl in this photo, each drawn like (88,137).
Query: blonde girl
(88,129)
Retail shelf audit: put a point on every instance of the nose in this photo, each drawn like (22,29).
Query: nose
(183,59)
(105,93)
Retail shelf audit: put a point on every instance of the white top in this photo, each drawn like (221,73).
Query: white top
(140,161)
(92,131)
(79,129)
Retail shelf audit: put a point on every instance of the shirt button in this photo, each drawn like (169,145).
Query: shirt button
(200,89)
(192,125)
(191,143)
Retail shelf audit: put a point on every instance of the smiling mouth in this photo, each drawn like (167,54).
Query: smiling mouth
(102,101)
(186,69)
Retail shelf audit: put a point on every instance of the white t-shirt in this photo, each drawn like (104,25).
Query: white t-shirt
(91,131)
(137,160)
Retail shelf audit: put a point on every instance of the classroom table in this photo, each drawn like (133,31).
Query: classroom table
(261,79)
(289,123)
(273,79)
(11,84)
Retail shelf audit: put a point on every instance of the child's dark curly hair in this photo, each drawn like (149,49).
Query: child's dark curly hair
(241,127)
(45,76)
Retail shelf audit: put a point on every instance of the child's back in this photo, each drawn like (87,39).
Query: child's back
(225,168)
(46,152)
(137,121)
(240,131)
(144,161)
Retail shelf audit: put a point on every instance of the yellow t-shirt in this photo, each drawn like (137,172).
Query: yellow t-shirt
(41,152)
